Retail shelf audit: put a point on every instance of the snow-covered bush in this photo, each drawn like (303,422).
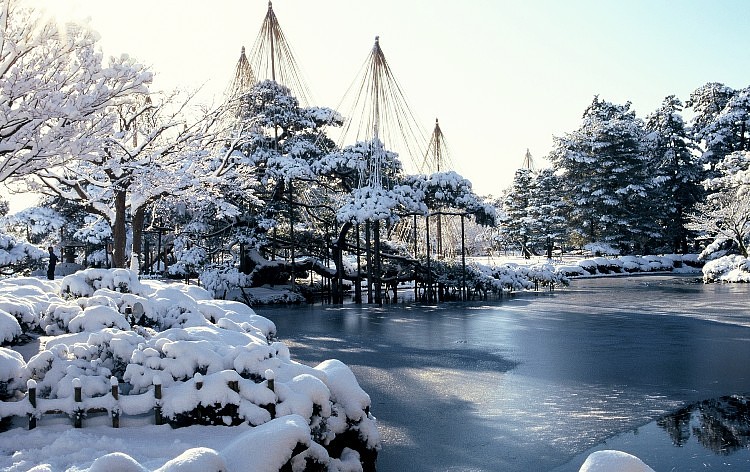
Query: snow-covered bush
(589,265)
(9,327)
(17,257)
(84,283)
(601,249)
(215,361)
(189,259)
(220,280)
(727,269)
(13,374)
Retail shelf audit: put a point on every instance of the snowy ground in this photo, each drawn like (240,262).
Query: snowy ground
(215,362)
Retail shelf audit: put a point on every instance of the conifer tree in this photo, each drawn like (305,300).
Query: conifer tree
(603,169)
(675,170)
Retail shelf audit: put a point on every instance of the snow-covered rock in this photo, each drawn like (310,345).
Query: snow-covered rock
(613,461)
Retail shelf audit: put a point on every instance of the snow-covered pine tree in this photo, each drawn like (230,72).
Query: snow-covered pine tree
(603,169)
(546,209)
(708,103)
(676,172)
(517,222)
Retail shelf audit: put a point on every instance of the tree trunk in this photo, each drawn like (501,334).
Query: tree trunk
(119,233)
(138,217)
(338,259)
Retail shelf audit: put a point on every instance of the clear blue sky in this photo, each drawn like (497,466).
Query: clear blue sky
(501,76)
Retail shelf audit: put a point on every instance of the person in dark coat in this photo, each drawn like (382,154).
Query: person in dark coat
(52,264)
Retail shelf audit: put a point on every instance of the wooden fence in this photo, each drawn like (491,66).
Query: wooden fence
(78,407)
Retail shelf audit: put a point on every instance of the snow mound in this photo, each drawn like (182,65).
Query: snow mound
(733,268)
(613,461)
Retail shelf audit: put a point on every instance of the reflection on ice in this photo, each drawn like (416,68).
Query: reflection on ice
(721,425)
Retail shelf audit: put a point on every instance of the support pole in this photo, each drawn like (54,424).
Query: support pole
(368,256)
(378,275)
(358,283)
(429,271)
(464,291)
(416,256)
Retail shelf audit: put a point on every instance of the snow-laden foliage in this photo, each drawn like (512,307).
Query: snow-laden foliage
(724,217)
(604,171)
(377,203)
(215,361)
(220,280)
(732,268)
(95,230)
(36,224)
(632,264)
(52,83)
(17,257)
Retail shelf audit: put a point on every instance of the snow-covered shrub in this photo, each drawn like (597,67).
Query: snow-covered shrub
(18,257)
(220,280)
(546,275)
(601,249)
(691,260)
(727,269)
(55,368)
(633,264)
(13,374)
(95,318)
(188,258)
(589,265)
(215,360)
(571,270)
(9,327)
(56,318)
(84,283)
(23,310)
(659,263)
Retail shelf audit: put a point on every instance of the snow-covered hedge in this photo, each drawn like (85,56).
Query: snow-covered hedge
(631,264)
(727,269)
(216,361)
(513,277)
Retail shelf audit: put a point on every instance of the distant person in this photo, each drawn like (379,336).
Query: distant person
(52,264)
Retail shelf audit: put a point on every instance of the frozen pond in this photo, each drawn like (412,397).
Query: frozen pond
(536,381)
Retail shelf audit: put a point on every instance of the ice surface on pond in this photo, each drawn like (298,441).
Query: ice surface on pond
(526,383)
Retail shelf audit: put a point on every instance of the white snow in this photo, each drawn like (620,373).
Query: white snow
(215,362)
(613,461)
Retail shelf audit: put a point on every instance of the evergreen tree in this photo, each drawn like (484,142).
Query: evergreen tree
(604,174)
(546,209)
(517,222)
(708,103)
(676,172)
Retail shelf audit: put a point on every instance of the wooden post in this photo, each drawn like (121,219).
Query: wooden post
(358,284)
(378,264)
(270,377)
(416,257)
(429,271)
(31,386)
(198,377)
(158,420)
(464,291)
(78,398)
(114,384)
(368,260)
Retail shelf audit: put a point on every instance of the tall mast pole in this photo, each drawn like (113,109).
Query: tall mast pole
(270,34)
(437,137)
